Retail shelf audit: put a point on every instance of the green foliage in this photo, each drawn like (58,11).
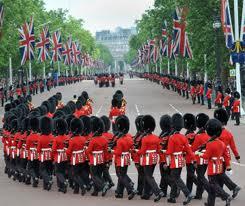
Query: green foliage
(105,54)
(19,11)
(200,18)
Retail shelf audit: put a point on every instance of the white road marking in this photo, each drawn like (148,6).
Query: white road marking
(97,114)
(238,164)
(175,109)
(137,109)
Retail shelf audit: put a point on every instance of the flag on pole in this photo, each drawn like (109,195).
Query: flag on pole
(243,26)
(227,24)
(164,41)
(67,52)
(1,14)
(180,37)
(56,52)
(43,44)
(27,41)
(76,53)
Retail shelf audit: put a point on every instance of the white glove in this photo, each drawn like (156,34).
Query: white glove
(229,173)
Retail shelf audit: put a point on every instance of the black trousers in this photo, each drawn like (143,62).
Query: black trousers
(202,99)
(219,106)
(149,181)
(237,117)
(183,93)
(23,166)
(177,182)
(79,175)
(2,101)
(60,172)
(202,182)
(187,94)
(96,174)
(215,189)
(198,99)
(165,178)
(209,104)
(228,110)
(106,173)
(33,168)
(193,100)
(123,180)
(46,171)
(191,177)
(140,184)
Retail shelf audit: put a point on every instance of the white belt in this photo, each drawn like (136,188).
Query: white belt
(96,153)
(46,150)
(77,152)
(177,153)
(150,151)
(122,158)
(163,151)
(60,150)
(33,148)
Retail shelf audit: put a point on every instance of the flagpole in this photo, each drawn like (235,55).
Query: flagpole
(10,71)
(187,70)
(176,68)
(30,72)
(58,68)
(168,66)
(237,40)
(243,20)
(44,71)
(205,72)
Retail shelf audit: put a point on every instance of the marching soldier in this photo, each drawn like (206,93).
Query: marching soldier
(166,127)
(59,148)
(177,146)
(197,147)
(236,108)
(96,151)
(77,155)
(219,96)
(201,92)
(149,150)
(209,95)
(193,92)
(227,101)
(228,139)
(190,126)
(124,144)
(215,153)
(44,150)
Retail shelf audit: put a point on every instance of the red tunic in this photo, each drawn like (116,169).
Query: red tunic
(31,146)
(216,153)
(236,106)
(76,150)
(177,146)
(44,147)
(226,102)
(59,148)
(97,150)
(218,99)
(200,140)
(209,93)
(229,142)
(150,148)
(114,113)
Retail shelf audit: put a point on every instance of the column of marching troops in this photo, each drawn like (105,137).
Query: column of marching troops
(106,79)
(34,87)
(65,141)
(195,90)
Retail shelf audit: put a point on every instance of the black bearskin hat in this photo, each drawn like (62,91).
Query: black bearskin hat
(25,125)
(59,96)
(29,98)
(122,124)
(148,123)
(166,123)
(87,125)
(34,124)
(76,126)
(178,121)
(79,105)
(61,126)
(14,125)
(107,123)
(85,95)
(237,95)
(68,119)
(221,115)
(201,120)
(114,103)
(59,114)
(189,121)
(119,92)
(214,128)
(46,125)
(210,85)
(138,123)
(97,125)
(52,106)
(47,105)
(227,90)
(72,106)
(7,107)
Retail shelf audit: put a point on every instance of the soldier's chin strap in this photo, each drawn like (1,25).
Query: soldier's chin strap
(202,147)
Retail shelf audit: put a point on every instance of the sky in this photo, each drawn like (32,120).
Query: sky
(103,14)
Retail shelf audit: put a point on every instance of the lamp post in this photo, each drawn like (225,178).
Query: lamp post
(216,26)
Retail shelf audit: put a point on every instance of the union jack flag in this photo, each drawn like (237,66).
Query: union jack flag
(43,45)
(76,53)
(27,41)
(67,52)
(181,41)
(227,24)
(1,14)
(56,47)
(170,47)
(164,41)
